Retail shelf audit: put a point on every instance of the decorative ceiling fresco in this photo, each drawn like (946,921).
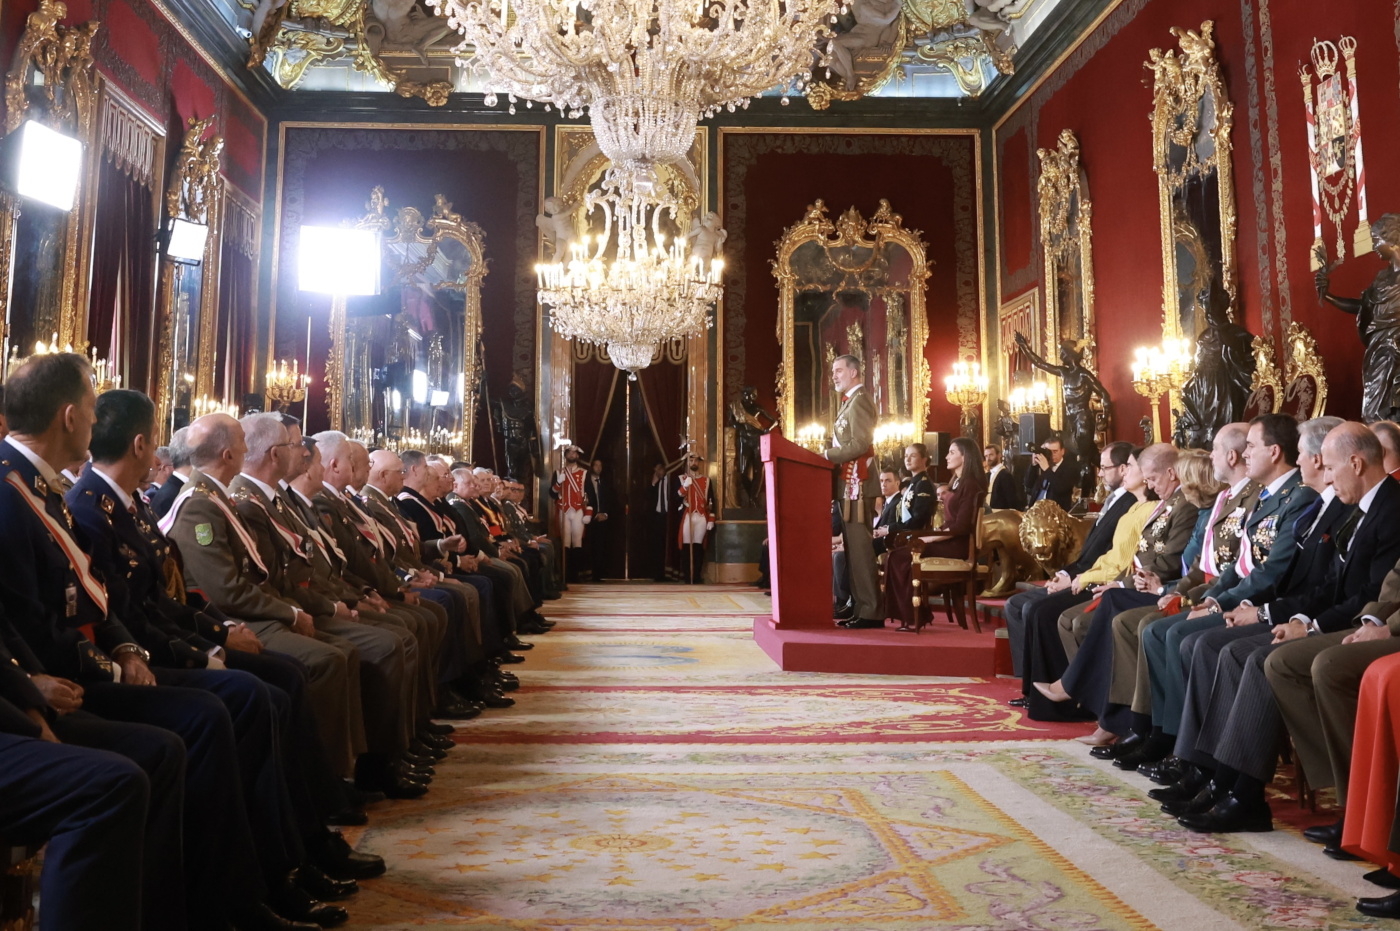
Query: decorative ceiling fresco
(884,48)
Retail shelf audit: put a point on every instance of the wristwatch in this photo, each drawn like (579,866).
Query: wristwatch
(132,648)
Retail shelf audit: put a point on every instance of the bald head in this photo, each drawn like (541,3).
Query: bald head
(1353,460)
(1227,452)
(386,471)
(216,446)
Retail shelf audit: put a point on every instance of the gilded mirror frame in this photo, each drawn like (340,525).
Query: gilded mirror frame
(195,193)
(1180,84)
(66,100)
(1066,234)
(409,226)
(851,230)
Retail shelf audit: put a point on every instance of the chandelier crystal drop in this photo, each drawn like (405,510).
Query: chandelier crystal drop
(647,70)
(648,292)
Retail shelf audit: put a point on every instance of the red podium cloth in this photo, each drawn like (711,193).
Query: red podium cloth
(1375,766)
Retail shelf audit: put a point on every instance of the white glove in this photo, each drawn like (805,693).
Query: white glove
(709,525)
(559,477)
(685,481)
(588,518)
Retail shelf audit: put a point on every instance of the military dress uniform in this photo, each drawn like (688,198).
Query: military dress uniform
(856,484)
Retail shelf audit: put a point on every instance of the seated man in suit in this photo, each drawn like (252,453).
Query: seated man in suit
(1003,492)
(1053,475)
(1113,463)
(179,452)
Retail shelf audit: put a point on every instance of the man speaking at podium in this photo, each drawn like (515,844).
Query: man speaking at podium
(855,486)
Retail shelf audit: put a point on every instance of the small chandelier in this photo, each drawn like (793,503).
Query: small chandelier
(647,72)
(648,293)
(285,384)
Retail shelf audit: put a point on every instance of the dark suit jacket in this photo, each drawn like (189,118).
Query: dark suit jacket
(599,490)
(37,577)
(1354,577)
(167,493)
(1058,484)
(1316,549)
(1004,493)
(1100,537)
(1268,532)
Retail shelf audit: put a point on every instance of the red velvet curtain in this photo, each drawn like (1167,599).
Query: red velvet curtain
(121,309)
(237,337)
(664,399)
(597,385)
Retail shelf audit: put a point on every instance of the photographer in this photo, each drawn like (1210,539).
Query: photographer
(1053,474)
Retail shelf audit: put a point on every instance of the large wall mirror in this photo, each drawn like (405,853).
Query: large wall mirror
(406,363)
(1191,121)
(189,288)
(854,287)
(50,82)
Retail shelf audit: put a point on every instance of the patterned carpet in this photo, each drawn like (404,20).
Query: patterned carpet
(658,772)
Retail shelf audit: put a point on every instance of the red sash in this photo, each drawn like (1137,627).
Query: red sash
(79,560)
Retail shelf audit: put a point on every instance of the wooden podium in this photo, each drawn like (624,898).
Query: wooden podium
(799,533)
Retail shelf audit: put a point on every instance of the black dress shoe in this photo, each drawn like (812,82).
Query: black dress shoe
(509,685)
(1183,789)
(1229,816)
(456,710)
(1022,702)
(400,786)
(441,730)
(432,753)
(844,613)
(416,760)
(1325,834)
(1151,750)
(348,818)
(1118,750)
(332,854)
(1336,852)
(291,901)
(494,699)
(1386,906)
(510,658)
(320,886)
(1202,802)
(1383,877)
(515,643)
(862,623)
(360,797)
(260,917)
(1163,772)
(436,741)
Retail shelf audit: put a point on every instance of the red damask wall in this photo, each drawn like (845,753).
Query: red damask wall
(141,52)
(770,178)
(1099,92)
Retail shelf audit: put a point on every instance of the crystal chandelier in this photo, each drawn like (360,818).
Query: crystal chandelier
(649,292)
(647,71)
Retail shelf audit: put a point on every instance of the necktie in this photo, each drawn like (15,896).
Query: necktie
(1348,530)
(1263,496)
(1303,526)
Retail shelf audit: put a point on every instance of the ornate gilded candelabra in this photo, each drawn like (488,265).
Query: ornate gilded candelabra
(812,437)
(890,439)
(104,374)
(286,385)
(204,404)
(967,388)
(1032,400)
(1159,370)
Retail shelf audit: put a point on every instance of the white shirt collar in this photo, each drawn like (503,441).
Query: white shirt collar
(1279,482)
(1366,499)
(1113,496)
(1236,488)
(182,476)
(217,484)
(1329,494)
(297,491)
(999,467)
(46,471)
(333,490)
(852,390)
(266,488)
(120,492)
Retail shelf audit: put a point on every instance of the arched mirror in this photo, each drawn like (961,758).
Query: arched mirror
(189,283)
(854,287)
(50,83)
(406,363)
(1191,122)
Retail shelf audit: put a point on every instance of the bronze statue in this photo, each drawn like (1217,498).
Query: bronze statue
(1220,382)
(1378,320)
(1079,388)
(1007,429)
(746,417)
(516,420)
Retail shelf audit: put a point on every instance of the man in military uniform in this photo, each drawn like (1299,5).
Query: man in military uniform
(81,657)
(856,485)
(468,488)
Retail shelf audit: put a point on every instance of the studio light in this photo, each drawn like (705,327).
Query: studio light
(185,240)
(43,165)
(439,399)
(420,387)
(339,261)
